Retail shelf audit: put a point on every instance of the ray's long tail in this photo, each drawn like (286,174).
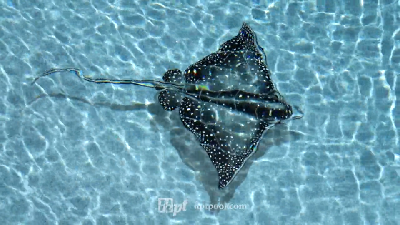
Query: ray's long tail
(158,85)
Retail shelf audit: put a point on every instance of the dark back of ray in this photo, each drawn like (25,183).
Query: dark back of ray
(227,100)
(237,102)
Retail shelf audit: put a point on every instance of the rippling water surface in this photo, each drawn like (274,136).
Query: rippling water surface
(80,153)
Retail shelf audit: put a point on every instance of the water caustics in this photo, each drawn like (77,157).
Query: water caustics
(227,100)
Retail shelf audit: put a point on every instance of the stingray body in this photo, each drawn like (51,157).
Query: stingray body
(227,100)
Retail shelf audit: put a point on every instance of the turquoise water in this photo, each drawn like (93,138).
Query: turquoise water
(80,153)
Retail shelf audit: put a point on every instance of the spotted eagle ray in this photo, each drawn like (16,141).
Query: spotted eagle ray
(227,100)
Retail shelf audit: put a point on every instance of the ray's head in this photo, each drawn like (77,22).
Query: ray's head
(292,112)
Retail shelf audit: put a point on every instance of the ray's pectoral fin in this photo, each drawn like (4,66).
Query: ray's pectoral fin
(227,165)
(170,99)
(246,39)
(213,135)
